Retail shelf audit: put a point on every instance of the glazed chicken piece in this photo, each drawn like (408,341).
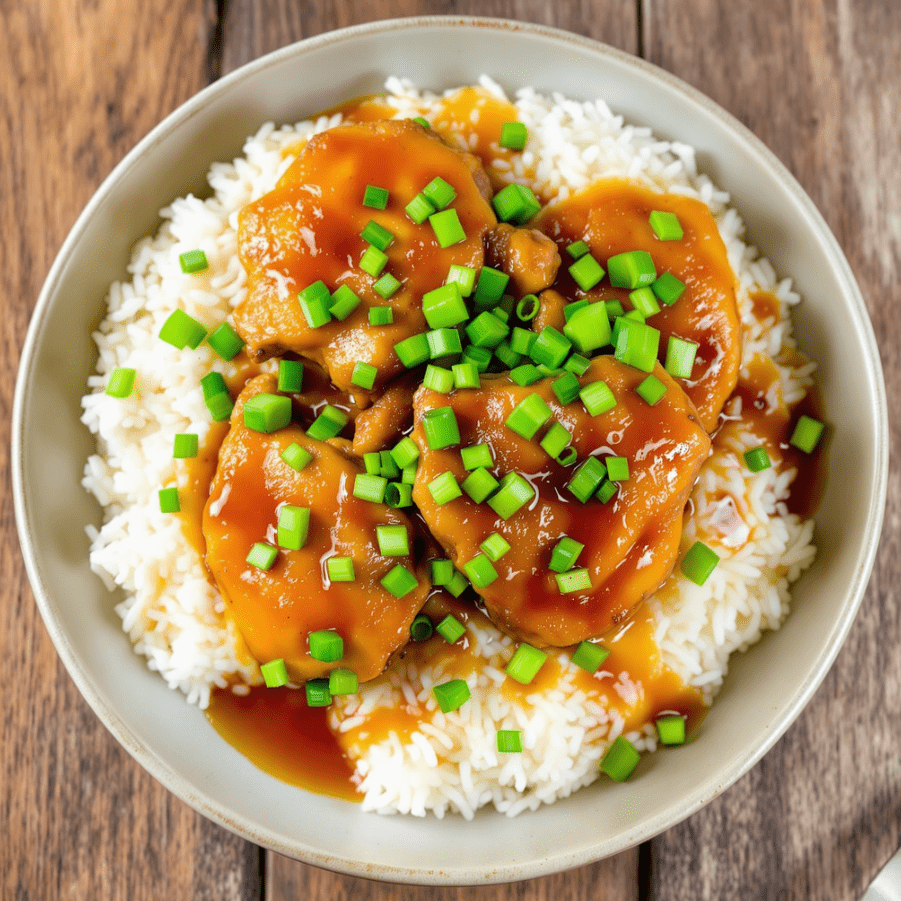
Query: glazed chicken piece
(630,543)
(276,610)
(308,230)
(530,258)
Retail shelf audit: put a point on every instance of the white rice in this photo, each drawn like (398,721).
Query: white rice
(176,619)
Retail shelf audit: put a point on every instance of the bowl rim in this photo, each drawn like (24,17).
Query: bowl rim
(193,796)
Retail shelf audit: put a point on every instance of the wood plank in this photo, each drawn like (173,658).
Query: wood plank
(81,81)
(819,83)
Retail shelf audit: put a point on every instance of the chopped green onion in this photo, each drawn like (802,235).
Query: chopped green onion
(651,390)
(376,235)
(444,306)
(440,193)
(515,203)
(383,316)
(480,357)
(192,261)
(444,488)
(577,249)
(370,488)
(421,120)
(508,357)
(421,628)
(399,581)
(614,308)
(462,276)
(486,330)
(480,485)
(326,646)
(698,563)
(617,468)
(556,440)
(295,456)
(267,412)
(451,695)
(477,456)
(373,261)
(577,364)
(571,309)
(586,272)
(394,541)
(637,344)
(466,375)
(293,526)
(450,629)
(633,269)
(440,427)
(225,341)
(668,288)
(525,375)
(597,397)
(588,328)
(375,198)
(757,459)
(606,491)
(327,424)
(181,330)
(343,302)
(413,350)
(216,397)
(315,302)
(317,692)
(806,434)
(589,656)
(388,469)
(419,209)
(671,729)
(566,387)
(567,455)
(528,307)
(495,546)
(121,382)
(398,495)
(509,741)
(405,452)
(408,474)
(341,569)
(680,357)
(262,556)
(574,580)
(458,584)
(169,502)
(372,463)
(586,479)
(525,663)
(442,572)
(666,225)
(490,287)
(185,445)
(620,760)
(443,342)
(514,135)
(386,286)
(290,376)
(565,553)
(275,673)
(528,416)
(551,348)
(342,682)
(645,301)
(521,340)
(364,375)
(447,228)
(514,493)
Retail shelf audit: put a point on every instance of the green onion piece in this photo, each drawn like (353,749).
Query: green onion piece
(225,341)
(680,357)
(577,364)
(566,387)
(121,382)
(666,225)
(521,340)
(451,695)
(645,301)
(637,344)
(528,307)
(620,760)
(447,228)
(513,494)
(577,249)
(343,302)
(489,288)
(421,628)
(386,285)
(668,288)
(623,321)
(419,209)
(698,563)
(586,479)
(633,269)
(440,427)
(315,302)
(440,193)
(275,673)
(262,556)
(442,572)
(589,656)
(528,416)
(372,463)
(671,729)
(318,694)
(477,456)
(458,584)
(617,468)
(757,459)
(651,390)
(295,456)
(515,203)
(398,495)
(293,526)
(341,569)
(565,553)
(586,272)
(806,434)
(413,350)
(551,348)
(185,445)
(383,316)
(373,261)
(508,357)
(466,375)
(421,120)
(480,485)
(444,488)
(364,375)
(443,342)
(192,261)
(444,306)
(495,546)
(394,540)
(388,469)
(614,308)
(525,663)
(405,452)
(525,375)
(514,135)
(509,741)
(464,277)
(376,235)
(408,474)
(450,629)
(566,456)
(486,330)
(326,646)
(267,412)
(571,309)
(342,682)
(556,440)
(216,397)
(399,581)
(327,424)
(375,198)
(574,580)
(597,397)
(181,330)
(606,491)
(290,376)
(588,328)
(480,357)
(169,502)
(370,488)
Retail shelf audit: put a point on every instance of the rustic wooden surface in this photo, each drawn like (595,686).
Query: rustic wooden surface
(82,80)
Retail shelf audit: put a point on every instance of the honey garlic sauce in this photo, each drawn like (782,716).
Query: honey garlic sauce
(612,218)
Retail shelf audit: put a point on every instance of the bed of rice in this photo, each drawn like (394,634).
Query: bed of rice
(175,618)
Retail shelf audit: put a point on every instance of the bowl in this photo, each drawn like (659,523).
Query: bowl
(766,688)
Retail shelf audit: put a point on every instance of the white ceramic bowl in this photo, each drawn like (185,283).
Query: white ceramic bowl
(766,688)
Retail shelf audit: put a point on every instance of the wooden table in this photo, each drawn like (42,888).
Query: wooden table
(82,80)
